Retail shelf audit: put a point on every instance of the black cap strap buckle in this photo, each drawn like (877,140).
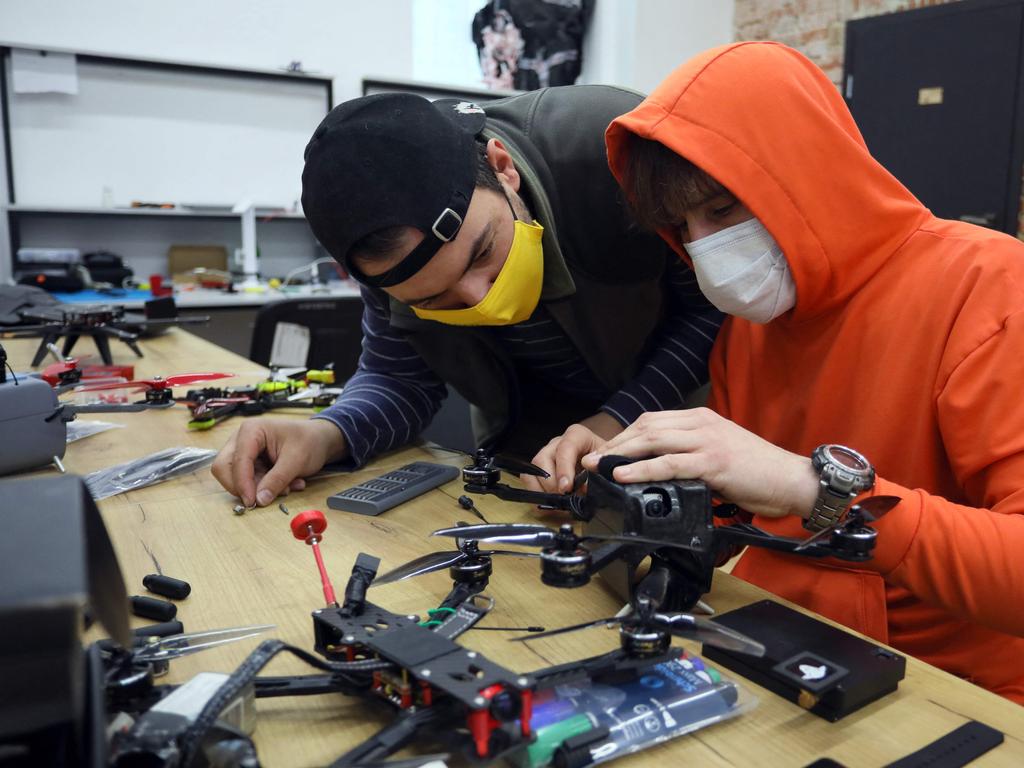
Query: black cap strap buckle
(447,225)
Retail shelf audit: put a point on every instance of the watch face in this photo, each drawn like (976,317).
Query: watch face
(847,458)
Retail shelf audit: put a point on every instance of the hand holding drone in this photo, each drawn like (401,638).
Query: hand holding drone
(678,515)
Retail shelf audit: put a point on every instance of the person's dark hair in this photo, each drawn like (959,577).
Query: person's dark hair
(381,244)
(660,186)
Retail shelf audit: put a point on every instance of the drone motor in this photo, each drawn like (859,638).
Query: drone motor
(565,564)
(473,569)
(642,642)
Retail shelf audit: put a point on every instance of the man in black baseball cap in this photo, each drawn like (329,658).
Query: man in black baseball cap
(495,256)
(391,160)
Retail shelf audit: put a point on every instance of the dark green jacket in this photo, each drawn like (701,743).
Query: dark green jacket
(602,278)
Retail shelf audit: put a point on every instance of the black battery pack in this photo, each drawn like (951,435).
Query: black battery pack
(825,670)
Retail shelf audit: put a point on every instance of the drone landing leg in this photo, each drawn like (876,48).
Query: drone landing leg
(102,344)
(50,338)
(69,343)
(134,347)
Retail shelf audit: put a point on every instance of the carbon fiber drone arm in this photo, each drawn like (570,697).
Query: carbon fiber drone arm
(743,534)
(569,502)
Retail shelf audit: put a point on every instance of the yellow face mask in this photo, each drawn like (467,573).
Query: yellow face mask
(515,291)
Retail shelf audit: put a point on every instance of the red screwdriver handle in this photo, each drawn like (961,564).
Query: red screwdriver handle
(309,526)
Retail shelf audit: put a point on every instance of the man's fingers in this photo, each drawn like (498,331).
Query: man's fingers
(567,456)
(221,468)
(287,468)
(673,466)
(250,442)
(655,442)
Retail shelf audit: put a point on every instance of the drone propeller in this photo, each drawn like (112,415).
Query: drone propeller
(157,382)
(528,535)
(437,561)
(868,510)
(502,461)
(681,625)
(434,561)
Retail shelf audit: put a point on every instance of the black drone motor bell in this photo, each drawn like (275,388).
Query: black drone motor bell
(565,568)
(482,471)
(855,542)
(641,642)
(566,563)
(472,570)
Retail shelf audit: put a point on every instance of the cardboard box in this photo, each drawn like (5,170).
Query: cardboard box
(182,259)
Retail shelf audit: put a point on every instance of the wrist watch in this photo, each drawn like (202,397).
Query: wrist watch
(844,473)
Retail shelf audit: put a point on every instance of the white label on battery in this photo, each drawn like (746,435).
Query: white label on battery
(189,700)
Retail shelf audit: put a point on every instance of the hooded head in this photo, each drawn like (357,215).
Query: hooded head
(767,124)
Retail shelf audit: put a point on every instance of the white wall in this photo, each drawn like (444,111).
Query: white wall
(343,38)
(636,43)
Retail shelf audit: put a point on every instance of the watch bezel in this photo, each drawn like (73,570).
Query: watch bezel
(828,453)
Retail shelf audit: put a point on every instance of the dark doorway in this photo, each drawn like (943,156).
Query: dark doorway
(937,94)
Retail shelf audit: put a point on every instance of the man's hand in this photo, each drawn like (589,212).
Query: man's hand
(699,444)
(270,456)
(561,456)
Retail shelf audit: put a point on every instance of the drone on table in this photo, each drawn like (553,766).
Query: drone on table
(100,321)
(438,689)
(680,515)
(301,388)
(435,687)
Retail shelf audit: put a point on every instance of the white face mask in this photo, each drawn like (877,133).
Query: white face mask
(743,272)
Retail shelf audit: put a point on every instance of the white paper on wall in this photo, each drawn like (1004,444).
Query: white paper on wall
(43,72)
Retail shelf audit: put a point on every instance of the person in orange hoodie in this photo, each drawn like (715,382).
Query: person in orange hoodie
(859,321)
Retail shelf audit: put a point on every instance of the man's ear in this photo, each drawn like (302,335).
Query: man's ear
(501,161)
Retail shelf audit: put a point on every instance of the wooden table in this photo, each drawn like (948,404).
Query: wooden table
(250,570)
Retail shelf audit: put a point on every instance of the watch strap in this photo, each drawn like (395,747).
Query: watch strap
(828,508)
(956,748)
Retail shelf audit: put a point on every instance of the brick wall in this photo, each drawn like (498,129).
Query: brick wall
(817,29)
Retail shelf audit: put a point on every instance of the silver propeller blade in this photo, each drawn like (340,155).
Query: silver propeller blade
(523,534)
(710,632)
(434,561)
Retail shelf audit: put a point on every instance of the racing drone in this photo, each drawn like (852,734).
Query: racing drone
(678,516)
(434,686)
(100,321)
(211,405)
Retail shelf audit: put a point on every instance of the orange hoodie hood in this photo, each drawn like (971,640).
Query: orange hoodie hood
(836,213)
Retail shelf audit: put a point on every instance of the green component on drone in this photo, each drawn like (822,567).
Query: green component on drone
(202,423)
(321,376)
(437,615)
(275,386)
(550,737)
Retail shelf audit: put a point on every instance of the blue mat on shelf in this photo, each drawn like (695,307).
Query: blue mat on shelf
(104,297)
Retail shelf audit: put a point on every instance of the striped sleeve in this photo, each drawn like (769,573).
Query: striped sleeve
(678,363)
(391,397)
